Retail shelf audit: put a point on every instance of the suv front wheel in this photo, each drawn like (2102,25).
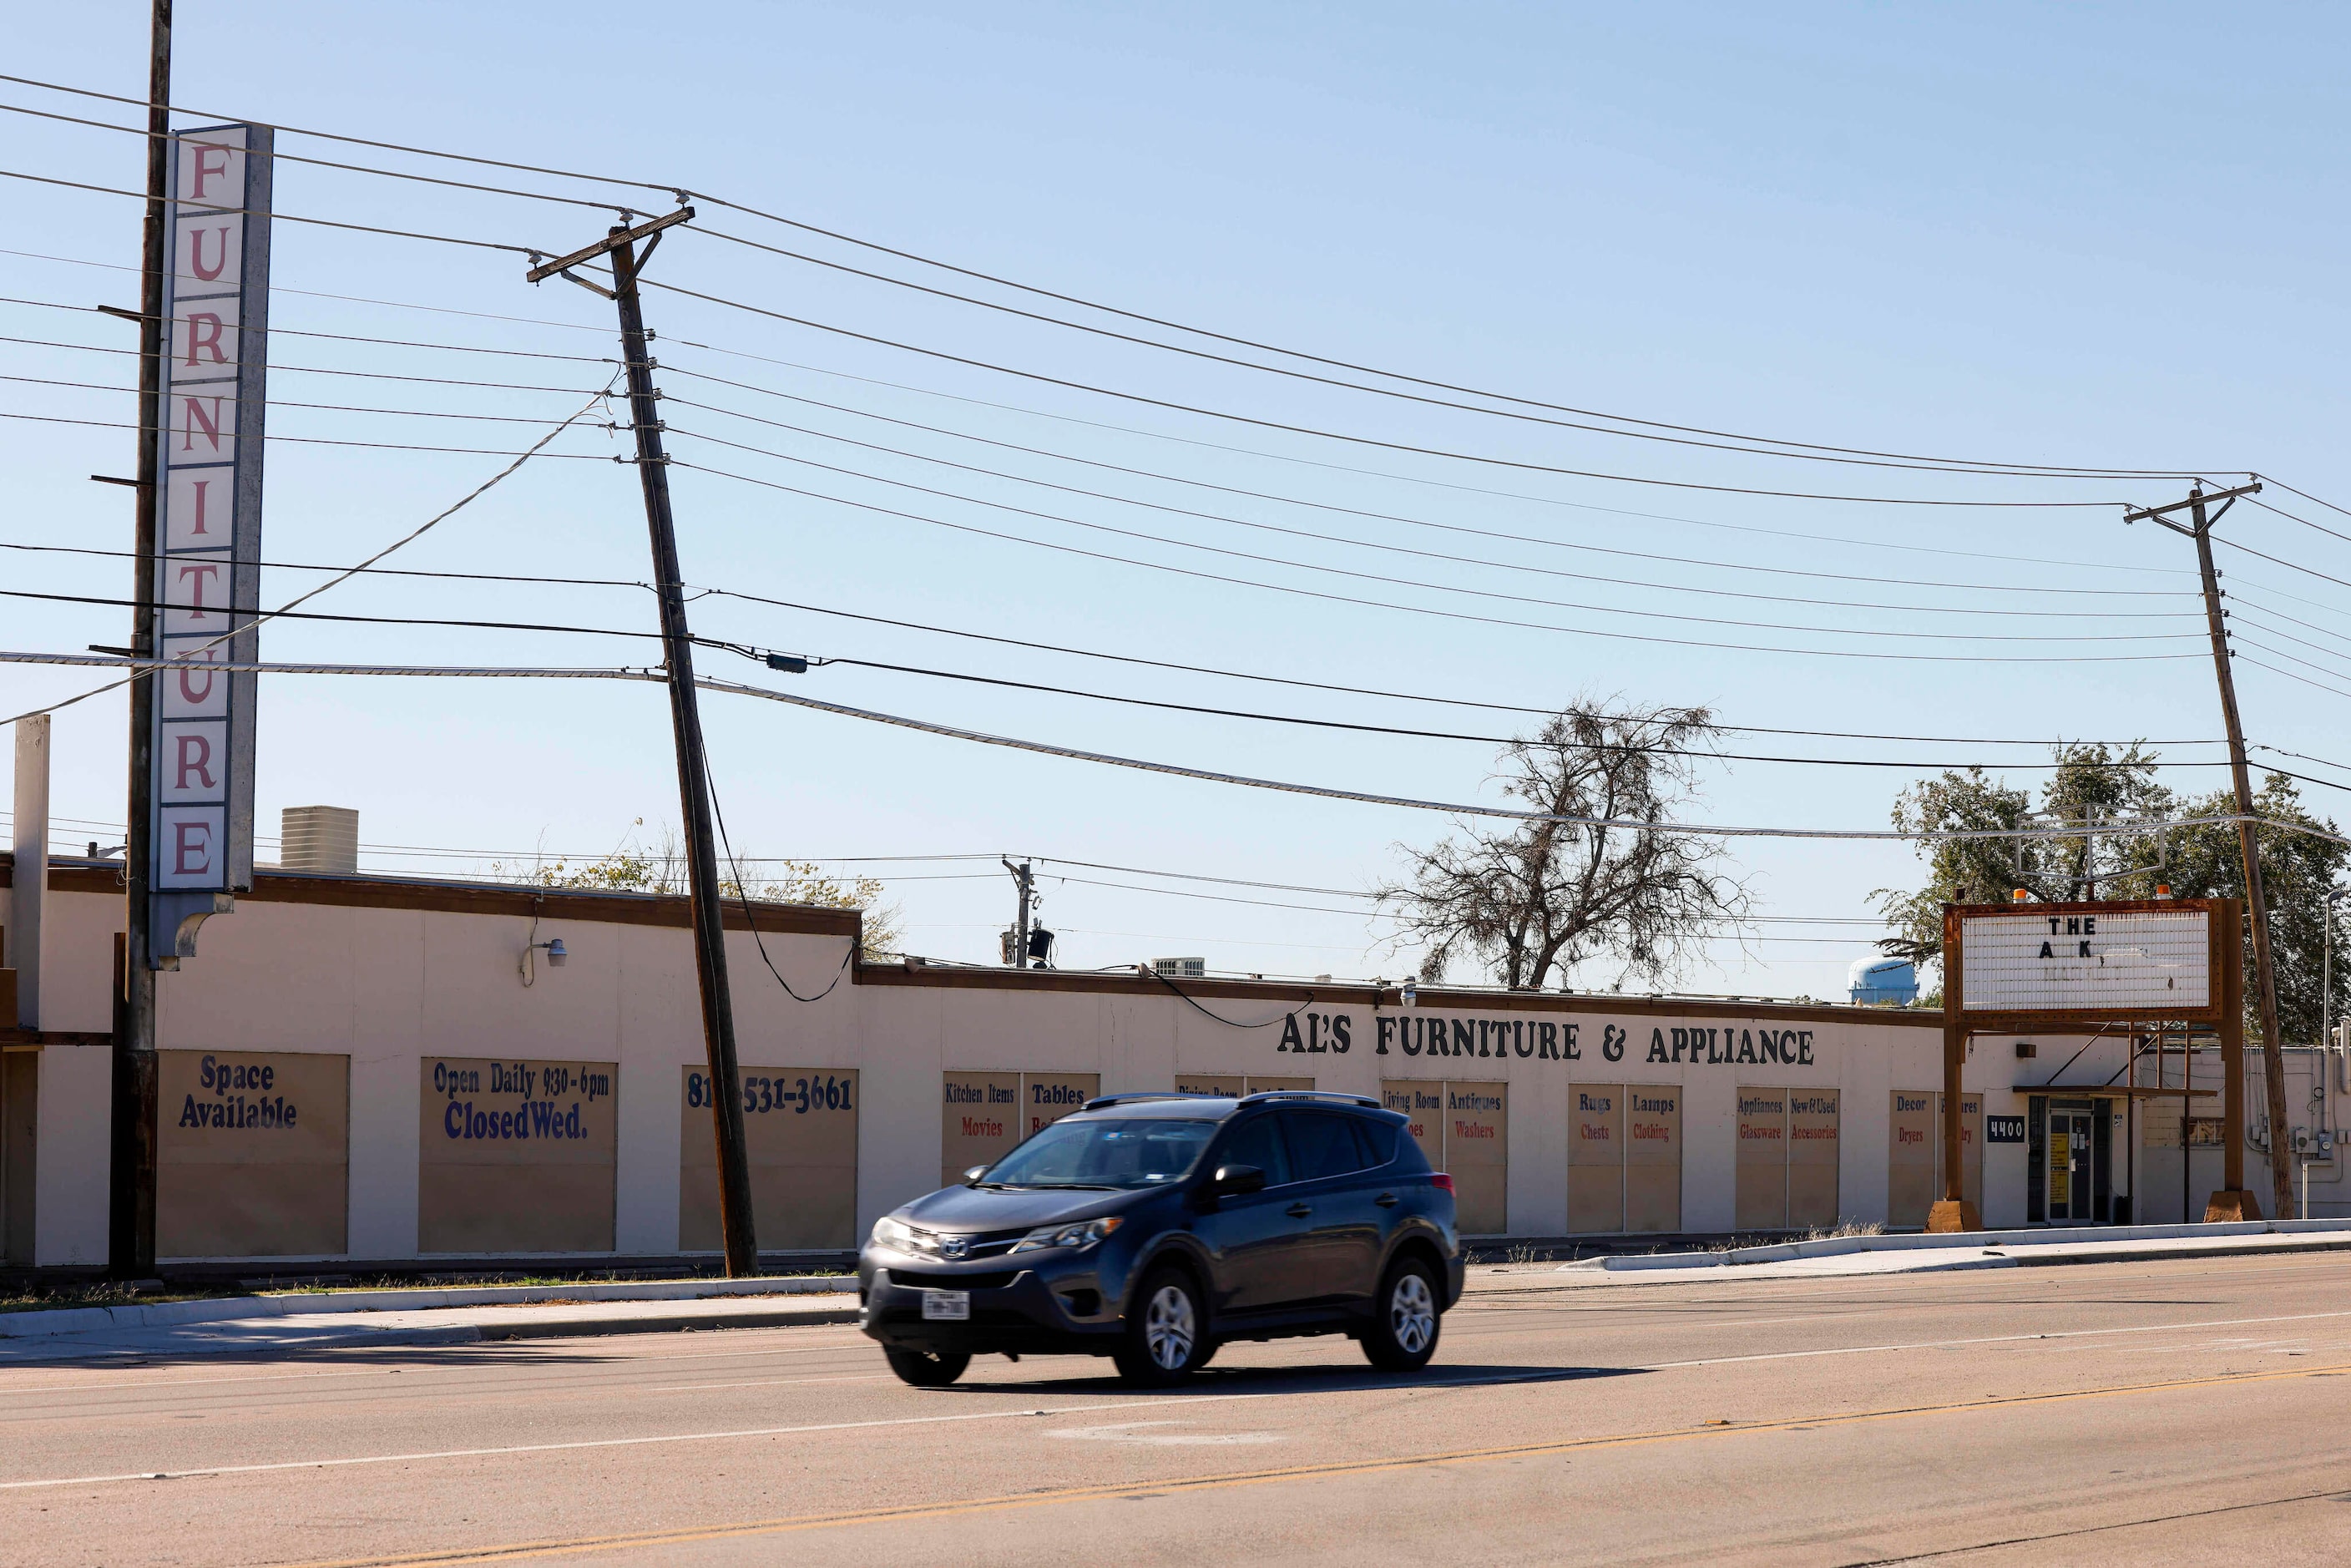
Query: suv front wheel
(1166,1337)
(1402,1332)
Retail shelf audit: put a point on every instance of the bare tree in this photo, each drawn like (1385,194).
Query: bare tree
(1543,897)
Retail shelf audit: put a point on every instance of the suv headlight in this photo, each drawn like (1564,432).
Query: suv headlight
(897,1235)
(1085,1233)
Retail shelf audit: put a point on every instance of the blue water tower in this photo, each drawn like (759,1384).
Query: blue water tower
(1883,982)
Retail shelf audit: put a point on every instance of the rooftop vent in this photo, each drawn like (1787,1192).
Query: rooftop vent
(318,838)
(1181,969)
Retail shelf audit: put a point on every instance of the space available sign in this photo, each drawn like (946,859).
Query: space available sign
(2074,959)
(208,511)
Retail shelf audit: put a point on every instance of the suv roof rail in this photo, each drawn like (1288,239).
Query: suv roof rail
(1129,1098)
(1333,1095)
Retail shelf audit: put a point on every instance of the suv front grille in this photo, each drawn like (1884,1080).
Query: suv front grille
(937,1280)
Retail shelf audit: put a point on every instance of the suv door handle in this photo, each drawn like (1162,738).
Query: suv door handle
(1299,1210)
(1386,1200)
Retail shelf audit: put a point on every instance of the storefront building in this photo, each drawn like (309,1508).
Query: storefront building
(378,1070)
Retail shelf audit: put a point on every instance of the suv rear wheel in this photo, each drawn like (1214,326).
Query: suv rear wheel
(1403,1333)
(1166,1333)
(926,1368)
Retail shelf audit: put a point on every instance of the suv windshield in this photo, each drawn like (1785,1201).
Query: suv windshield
(1089,1153)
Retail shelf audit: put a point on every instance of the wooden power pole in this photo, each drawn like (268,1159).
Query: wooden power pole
(686,720)
(130,1153)
(2200,528)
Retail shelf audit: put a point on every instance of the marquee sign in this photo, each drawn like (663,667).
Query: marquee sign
(2130,961)
(208,534)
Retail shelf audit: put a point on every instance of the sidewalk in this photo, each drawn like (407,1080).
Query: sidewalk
(1847,1256)
(342,1320)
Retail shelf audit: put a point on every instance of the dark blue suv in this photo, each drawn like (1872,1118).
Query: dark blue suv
(1153,1228)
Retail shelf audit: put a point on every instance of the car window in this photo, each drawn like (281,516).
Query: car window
(1320,1145)
(1378,1139)
(1086,1152)
(1257,1143)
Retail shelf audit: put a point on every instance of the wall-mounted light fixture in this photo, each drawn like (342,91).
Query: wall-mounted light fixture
(552,948)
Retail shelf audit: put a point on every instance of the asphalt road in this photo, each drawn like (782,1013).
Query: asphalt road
(2106,1413)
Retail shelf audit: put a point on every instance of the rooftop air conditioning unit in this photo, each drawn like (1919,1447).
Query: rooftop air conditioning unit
(318,838)
(1181,969)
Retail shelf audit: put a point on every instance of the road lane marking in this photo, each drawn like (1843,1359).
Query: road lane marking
(1988,1339)
(520,1551)
(1139,1432)
(1161,1401)
(764,1383)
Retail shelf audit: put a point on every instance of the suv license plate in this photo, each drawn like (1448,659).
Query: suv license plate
(953,1306)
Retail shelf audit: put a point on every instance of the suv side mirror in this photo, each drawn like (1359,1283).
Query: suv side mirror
(1232,1181)
(974,1174)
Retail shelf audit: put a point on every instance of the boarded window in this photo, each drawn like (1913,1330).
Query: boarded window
(1763,1202)
(1652,1157)
(516,1156)
(1421,1101)
(799,1139)
(252,1154)
(1235,1083)
(20,1079)
(983,1116)
(1595,1158)
(1478,1154)
(1910,1158)
(1811,1158)
(1463,1129)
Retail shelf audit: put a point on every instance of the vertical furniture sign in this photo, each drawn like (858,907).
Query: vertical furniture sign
(208,561)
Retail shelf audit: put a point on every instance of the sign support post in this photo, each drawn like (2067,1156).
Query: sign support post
(130,1150)
(1952,1211)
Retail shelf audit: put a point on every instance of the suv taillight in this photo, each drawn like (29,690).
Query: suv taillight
(1443,1181)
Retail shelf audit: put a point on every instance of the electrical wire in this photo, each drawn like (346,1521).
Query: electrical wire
(275,331)
(282,402)
(2277,561)
(279,216)
(1481,458)
(1378,691)
(1425,610)
(322,615)
(371,571)
(1815,455)
(464,501)
(1454,486)
(744,898)
(324,440)
(2076,831)
(2306,522)
(145,134)
(1179,543)
(684,197)
(758,656)
(671,368)
(278,367)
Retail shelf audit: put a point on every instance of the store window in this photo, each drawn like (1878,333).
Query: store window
(799,1139)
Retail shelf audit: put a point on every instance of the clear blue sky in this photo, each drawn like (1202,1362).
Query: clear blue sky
(2088,235)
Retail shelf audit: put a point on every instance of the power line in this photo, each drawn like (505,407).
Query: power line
(1297,461)
(306,332)
(349,168)
(2275,560)
(373,571)
(1402,549)
(1425,609)
(282,402)
(2076,831)
(2306,522)
(758,655)
(278,367)
(1811,454)
(1318,432)
(683,196)
(284,216)
(1440,587)
(322,615)
(323,441)
(1373,691)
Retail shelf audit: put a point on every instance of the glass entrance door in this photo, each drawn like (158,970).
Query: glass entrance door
(2072,1184)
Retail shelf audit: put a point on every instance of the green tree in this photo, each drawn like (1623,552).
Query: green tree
(2095,783)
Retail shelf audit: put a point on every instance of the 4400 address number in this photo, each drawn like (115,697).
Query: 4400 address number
(814,1092)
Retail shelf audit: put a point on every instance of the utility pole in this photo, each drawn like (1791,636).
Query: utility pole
(686,720)
(2201,519)
(1024,878)
(130,1149)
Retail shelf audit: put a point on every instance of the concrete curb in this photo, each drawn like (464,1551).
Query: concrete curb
(1843,1246)
(41,1323)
